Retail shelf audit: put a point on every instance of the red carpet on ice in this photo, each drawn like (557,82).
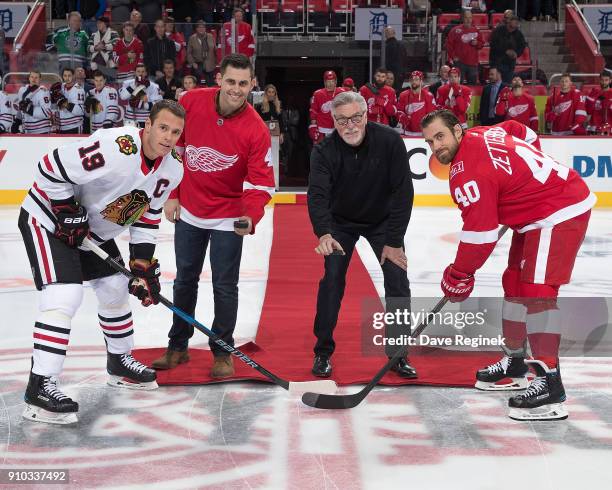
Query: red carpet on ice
(284,339)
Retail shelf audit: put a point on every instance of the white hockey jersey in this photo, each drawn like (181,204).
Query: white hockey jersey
(72,116)
(108,111)
(6,113)
(107,174)
(39,122)
(140,113)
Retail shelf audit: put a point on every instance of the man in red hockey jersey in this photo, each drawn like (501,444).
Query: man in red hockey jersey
(321,121)
(414,104)
(227,182)
(565,110)
(599,105)
(462,45)
(381,98)
(517,105)
(498,175)
(455,97)
(244,37)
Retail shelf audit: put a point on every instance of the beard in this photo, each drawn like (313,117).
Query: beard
(516,85)
(447,155)
(379,84)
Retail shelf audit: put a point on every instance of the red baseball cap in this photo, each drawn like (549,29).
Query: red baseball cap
(348,82)
(417,73)
(455,71)
(330,75)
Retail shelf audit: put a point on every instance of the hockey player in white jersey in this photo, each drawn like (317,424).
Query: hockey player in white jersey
(34,106)
(6,113)
(141,94)
(102,104)
(69,98)
(116,179)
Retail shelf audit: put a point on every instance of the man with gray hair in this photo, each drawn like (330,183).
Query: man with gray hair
(360,185)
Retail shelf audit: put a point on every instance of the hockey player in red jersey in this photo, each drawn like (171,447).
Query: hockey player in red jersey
(414,104)
(498,175)
(243,36)
(599,106)
(381,98)
(228,181)
(455,97)
(517,105)
(116,179)
(321,122)
(565,110)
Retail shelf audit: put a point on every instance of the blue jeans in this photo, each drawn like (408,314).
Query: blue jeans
(190,244)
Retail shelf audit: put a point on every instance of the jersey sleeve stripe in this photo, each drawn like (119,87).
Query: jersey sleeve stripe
(154,211)
(58,162)
(149,221)
(42,206)
(530,135)
(145,225)
(479,237)
(47,176)
(248,186)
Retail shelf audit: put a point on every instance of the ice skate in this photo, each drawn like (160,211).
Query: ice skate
(127,372)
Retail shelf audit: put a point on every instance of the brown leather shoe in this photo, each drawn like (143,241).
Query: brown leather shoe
(223,367)
(170,359)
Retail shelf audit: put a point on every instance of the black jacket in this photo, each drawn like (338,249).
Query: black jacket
(360,188)
(503,40)
(168,90)
(156,51)
(484,105)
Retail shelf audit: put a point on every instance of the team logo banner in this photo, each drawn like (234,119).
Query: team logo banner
(374,20)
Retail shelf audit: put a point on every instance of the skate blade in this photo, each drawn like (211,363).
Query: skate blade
(38,414)
(121,382)
(554,411)
(513,385)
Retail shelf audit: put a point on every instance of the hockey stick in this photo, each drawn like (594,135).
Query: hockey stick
(325,386)
(336,402)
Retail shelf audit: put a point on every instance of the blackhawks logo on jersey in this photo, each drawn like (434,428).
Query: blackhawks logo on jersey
(127,209)
(127,145)
(176,155)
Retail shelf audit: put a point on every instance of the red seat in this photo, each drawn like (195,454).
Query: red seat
(267,5)
(444,20)
(587,87)
(483,55)
(341,6)
(525,58)
(496,19)
(486,36)
(480,21)
(292,5)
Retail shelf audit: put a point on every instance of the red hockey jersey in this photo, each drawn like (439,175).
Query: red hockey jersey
(499,176)
(595,103)
(455,98)
(566,111)
(320,109)
(228,163)
(381,102)
(125,68)
(412,108)
(459,44)
(518,108)
(244,36)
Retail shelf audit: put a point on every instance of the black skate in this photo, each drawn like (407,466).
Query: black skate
(46,403)
(509,367)
(544,398)
(127,372)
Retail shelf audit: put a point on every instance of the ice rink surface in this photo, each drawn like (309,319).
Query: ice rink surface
(253,435)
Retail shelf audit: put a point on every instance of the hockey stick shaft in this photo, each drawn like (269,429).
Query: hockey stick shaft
(209,333)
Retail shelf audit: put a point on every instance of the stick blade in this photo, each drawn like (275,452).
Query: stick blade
(331,402)
(326,386)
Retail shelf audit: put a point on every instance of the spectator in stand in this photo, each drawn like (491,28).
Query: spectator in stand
(183,13)
(158,49)
(349,85)
(168,84)
(443,74)
(101,45)
(141,30)
(179,43)
(565,111)
(455,97)
(102,104)
(507,44)
(205,10)
(189,83)
(91,10)
(120,11)
(69,98)
(395,57)
(270,107)
(414,104)
(127,53)
(151,10)
(514,103)
(380,98)
(462,45)
(321,122)
(599,105)
(71,43)
(218,78)
(6,113)
(34,106)
(390,81)
(490,95)
(201,53)
(474,5)
(141,94)
(244,35)
(80,77)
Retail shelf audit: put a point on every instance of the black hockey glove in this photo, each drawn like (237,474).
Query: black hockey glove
(72,225)
(145,286)
(26,106)
(91,104)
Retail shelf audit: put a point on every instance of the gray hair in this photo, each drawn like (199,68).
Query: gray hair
(346,98)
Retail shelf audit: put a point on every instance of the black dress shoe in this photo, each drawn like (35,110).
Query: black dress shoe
(404,370)
(322,367)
